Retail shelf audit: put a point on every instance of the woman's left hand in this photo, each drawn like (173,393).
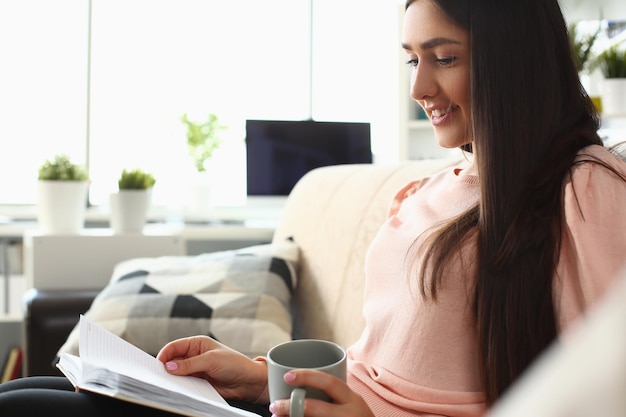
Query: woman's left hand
(344,401)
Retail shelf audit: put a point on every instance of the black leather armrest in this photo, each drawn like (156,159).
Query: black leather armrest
(49,318)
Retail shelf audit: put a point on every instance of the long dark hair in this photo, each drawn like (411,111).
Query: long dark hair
(530,118)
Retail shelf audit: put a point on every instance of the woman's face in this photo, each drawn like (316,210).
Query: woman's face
(439,55)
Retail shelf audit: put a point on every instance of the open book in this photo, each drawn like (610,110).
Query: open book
(109,365)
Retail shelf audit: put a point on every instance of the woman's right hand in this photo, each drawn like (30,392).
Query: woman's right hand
(234,375)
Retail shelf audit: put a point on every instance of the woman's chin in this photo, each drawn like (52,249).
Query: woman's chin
(447,144)
(450,140)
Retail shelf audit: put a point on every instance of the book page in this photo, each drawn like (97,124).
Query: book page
(71,367)
(98,347)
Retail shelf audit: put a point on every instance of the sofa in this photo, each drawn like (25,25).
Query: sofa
(331,214)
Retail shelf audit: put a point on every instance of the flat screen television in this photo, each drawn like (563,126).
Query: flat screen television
(280,152)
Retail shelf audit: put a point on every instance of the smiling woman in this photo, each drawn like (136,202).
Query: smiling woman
(439,55)
(478,268)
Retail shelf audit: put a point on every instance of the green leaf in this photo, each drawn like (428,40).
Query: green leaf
(202,139)
(61,168)
(136,179)
(612,62)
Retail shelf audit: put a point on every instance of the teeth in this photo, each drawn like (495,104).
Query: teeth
(439,113)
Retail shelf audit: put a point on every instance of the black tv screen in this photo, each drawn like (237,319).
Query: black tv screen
(280,152)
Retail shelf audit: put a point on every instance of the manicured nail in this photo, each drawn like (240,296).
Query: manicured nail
(290,377)
(171,366)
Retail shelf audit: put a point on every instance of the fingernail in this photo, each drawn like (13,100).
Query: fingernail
(171,366)
(273,408)
(290,377)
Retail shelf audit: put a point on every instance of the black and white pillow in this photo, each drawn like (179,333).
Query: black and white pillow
(239,297)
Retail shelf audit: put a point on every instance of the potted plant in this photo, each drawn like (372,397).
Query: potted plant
(62,196)
(612,63)
(203,139)
(582,44)
(130,204)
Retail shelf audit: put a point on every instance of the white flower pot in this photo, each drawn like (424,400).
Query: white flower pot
(61,206)
(129,210)
(614,97)
(199,198)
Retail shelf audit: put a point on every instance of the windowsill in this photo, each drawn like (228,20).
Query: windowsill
(257,212)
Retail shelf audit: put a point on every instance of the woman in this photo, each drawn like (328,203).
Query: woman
(509,250)
(479,268)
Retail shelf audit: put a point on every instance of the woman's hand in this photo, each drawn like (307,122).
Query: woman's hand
(345,402)
(234,375)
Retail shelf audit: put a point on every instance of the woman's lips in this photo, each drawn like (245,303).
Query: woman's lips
(439,116)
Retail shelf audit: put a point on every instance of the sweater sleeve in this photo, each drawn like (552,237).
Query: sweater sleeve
(594,240)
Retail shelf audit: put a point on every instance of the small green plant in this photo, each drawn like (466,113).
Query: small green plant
(136,179)
(582,45)
(612,62)
(61,168)
(202,139)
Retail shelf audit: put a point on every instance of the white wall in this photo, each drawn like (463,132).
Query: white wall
(592,10)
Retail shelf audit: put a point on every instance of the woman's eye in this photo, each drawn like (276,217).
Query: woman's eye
(412,62)
(445,62)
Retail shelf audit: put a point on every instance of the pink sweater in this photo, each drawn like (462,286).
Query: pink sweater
(420,358)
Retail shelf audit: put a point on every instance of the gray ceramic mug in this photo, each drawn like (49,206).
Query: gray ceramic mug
(315,354)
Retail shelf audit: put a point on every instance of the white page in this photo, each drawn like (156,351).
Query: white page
(99,346)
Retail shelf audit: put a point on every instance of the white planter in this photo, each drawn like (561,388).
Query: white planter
(61,206)
(199,200)
(614,97)
(129,210)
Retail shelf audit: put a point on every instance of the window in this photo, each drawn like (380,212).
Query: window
(151,61)
(43,78)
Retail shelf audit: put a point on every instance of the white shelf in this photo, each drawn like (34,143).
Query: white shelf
(10,318)
(11,302)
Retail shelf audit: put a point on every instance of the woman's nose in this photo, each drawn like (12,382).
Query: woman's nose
(423,84)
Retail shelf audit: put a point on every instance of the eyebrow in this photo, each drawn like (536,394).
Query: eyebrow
(432,43)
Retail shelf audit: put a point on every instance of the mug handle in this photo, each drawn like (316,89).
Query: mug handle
(297,402)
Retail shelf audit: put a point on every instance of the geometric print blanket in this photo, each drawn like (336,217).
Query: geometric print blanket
(241,298)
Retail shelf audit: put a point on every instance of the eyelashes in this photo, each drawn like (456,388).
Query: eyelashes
(446,62)
(442,62)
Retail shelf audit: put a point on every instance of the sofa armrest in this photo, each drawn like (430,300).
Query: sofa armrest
(49,317)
